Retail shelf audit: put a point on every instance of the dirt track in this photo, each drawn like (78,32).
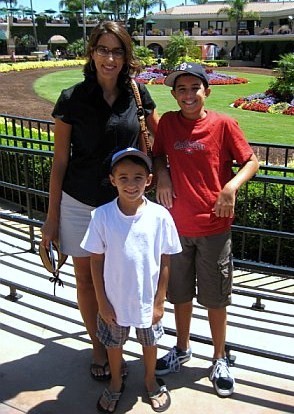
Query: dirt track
(18,97)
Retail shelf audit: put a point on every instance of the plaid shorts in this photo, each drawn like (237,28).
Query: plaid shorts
(115,336)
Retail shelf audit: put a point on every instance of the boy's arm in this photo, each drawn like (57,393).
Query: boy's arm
(160,295)
(225,203)
(105,308)
(164,188)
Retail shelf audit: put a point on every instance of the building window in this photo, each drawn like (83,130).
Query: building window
(186,27)
(215,27)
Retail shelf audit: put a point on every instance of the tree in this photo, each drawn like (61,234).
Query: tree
(144,55)
(180,49)
(162,4)
(9,3)
(199,1)
(283,84)
(236,12)
(145,6)
(34,25)
(74,5)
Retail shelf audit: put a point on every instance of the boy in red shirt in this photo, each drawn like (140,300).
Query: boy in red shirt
(194,150)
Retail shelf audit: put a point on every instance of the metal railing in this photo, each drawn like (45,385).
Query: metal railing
(26,153)
(264,244)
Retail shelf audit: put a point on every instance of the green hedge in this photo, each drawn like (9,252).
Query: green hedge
(265,206)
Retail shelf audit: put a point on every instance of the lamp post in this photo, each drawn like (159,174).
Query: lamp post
(290,19)
(84,25)
(34,26)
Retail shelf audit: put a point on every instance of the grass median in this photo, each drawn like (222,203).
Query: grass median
(257,126)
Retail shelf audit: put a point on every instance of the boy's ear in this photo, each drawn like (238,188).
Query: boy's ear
(207,92)
(149,180)
(112,180)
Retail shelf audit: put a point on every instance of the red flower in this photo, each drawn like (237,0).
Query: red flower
(289,111)
(238,102)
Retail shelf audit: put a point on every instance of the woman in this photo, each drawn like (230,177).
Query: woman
(94,119)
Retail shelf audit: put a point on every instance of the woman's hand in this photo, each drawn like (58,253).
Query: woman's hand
(50,232)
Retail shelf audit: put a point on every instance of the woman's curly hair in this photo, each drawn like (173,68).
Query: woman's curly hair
(131,66)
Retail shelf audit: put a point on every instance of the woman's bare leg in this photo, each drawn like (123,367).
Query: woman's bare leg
(88,306)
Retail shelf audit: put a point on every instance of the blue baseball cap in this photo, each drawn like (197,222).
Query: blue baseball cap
(134,152)
(189,68)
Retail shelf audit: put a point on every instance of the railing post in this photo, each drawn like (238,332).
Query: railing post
(13,295)
(231,358)
(29,204)
(258,305)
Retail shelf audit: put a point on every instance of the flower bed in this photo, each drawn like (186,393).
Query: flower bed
(9,67)
(265,102)
(156,76)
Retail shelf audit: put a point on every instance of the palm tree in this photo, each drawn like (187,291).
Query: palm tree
(162,4)
(116,6)
(9,3)
(101,6)
(199,1)
(236,12)
(181,48)
(74,5)
(145,5)
(77,5)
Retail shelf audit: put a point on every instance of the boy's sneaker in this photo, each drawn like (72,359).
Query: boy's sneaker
(172,361)
(223,381)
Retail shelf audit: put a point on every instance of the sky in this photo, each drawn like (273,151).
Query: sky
(41,5)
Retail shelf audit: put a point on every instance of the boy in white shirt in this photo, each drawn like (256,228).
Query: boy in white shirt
(131,240)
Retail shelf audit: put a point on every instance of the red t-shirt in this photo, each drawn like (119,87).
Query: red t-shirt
(200,153)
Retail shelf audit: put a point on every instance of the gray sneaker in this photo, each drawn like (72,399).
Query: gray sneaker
(172,361)
(223,381)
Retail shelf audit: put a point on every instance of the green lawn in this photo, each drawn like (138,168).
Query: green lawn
(260,127)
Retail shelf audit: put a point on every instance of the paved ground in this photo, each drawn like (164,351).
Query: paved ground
(45,351)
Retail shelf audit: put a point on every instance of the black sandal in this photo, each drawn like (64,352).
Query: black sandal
(104,368)
(106,371)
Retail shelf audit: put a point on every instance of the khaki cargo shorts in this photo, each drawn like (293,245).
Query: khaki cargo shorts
(203,270)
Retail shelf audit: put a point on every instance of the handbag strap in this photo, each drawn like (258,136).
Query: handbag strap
(51,263)
(141,117)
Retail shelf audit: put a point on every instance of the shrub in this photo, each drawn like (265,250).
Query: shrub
(181,48)
(283,85)
(144,55)
(259,205)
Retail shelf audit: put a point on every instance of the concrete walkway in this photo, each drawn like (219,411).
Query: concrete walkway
(45,351)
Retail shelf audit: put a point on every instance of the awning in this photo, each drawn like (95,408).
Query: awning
(50,11)
(57,39)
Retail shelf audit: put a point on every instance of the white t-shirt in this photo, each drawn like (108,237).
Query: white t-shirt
(133,246)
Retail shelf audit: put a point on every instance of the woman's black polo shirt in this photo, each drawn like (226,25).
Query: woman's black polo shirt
(98,131)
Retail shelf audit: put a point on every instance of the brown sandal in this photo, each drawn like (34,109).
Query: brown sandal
(109,398)
(156,394)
